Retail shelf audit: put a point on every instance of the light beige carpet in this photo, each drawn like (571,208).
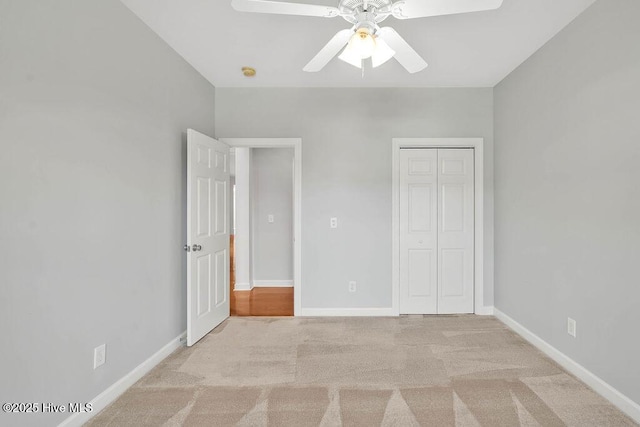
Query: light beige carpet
(407,371)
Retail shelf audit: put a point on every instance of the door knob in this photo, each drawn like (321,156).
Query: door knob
(197,248)
(187,248)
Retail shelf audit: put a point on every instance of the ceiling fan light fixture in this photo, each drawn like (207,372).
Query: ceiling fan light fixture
(363,43)
(382,54)
(350,56)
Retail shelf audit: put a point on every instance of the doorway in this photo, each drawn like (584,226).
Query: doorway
(438,225)
(264,243)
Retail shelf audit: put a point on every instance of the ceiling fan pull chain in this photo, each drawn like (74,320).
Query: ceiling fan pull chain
(362,67)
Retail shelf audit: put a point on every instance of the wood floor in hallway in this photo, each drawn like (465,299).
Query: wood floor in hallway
(262,302)
(276,301)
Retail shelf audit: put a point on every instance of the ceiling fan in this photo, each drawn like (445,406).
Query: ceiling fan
(366,39)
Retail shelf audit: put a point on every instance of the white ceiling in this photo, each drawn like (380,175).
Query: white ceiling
(468,50)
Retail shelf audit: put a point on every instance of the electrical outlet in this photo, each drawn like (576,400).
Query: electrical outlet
(270,219)
(99,355)
(571,327)
(352,286)
(333,222)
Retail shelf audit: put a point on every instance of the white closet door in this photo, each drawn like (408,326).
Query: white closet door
(455,231)
(418,231)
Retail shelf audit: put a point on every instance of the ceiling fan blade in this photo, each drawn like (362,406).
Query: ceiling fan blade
(409,9)
(283,8)
(406,56)
(330,50)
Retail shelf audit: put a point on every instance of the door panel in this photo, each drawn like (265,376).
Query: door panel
(452,166)
(419,166)
(204,284)
(418,231)
(204,207)
(452,201)
(204,155)
(221,207)
(221,161)
(221,278)
(420,274)
(452,272)
(208,234)
(455,231)
(420,218)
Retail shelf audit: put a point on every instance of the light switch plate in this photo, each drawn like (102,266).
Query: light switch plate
(352,286)
(571,327)
(99,355)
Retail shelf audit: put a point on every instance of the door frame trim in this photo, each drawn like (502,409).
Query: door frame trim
(478,145)
(296,144)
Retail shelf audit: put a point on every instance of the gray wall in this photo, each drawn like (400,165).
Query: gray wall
(93,110)
(272,192)
(346,172)
(567,156)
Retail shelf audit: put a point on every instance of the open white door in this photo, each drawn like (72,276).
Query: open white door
(208,233)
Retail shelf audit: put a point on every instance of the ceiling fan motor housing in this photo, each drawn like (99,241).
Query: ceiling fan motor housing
(365,12)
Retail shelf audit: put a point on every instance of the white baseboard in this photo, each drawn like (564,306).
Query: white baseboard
(372,312)
(625,404)
(485,310)
(242,287)
(273,283)
(347,312)
(105,398)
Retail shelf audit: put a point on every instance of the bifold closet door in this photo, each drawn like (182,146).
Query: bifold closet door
(455,231)
(436,231)
(418,231)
